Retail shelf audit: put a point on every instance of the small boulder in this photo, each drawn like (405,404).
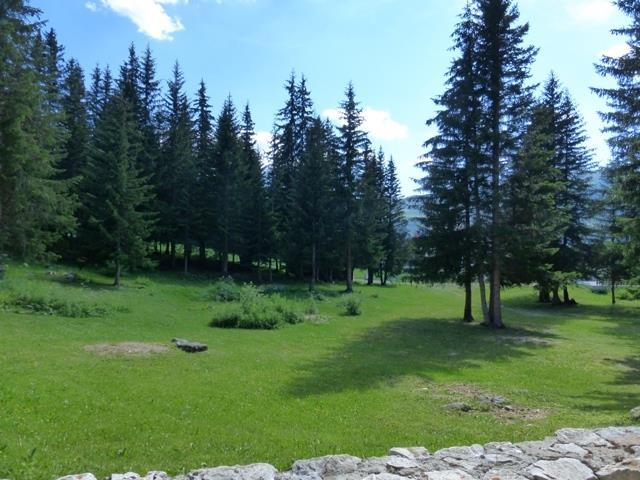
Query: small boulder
(124,476)
(257,471)
(562,469)
(626,470)
(458,407)
(190,347)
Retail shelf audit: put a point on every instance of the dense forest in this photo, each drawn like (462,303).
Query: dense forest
(122,170)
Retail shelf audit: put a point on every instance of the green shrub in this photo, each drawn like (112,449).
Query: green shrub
(629,293)
(225,290)
(258,312)
(352,306)
(40,305)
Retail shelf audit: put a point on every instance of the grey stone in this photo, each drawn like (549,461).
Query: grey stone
(125,476)
(383,476)
(627,470)
(80,476)
(402,452)
(328,466)
(460,452)
(156,475)
(502,474)
(450,475)
(189,347)
(562,469)
(458,407)
(621,436)
(581,437)
(570,449)
(400,463)
(257,471)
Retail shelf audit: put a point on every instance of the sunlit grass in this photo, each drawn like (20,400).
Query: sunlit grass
(356,385)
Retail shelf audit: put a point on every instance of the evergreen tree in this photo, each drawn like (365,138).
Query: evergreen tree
(451,244)
(116,192)
(610,239)
(205,172)
(352,142)
(75,122)
(623,124)
(313,195)
(179,165)
(371,211)
(253,219)
(394,241)
(226,161)
(35,209)
(504,64)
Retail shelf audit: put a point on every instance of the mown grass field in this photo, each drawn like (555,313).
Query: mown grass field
(340,384)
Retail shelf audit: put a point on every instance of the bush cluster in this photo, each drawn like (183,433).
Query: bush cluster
(225,290)
(257,312)
(352,306)
(42,305)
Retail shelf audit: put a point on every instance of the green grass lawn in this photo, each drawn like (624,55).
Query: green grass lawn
(356,385)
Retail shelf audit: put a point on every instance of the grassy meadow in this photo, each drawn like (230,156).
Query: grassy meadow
(334,384)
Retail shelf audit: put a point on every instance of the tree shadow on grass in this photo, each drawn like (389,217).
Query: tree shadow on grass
(416,347)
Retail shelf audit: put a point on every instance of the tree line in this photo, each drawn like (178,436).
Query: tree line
(120,170)
(508,194)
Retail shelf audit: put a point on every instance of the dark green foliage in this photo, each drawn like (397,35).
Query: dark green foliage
(623,122)
(115,193)
(35,208)
(258,312)
(76,149)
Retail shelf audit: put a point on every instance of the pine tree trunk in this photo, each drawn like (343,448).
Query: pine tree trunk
(116,281)
(187,254)
(495,302)
(543,295)
(225,257)
(468,315)
(556,296)
(349,269)
(565,293)
(483,299)
(173,255)
(312,284)
(613,292)
(203,252)
(270,270)
(370,276)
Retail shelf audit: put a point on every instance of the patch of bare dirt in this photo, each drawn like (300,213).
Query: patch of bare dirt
(127,348)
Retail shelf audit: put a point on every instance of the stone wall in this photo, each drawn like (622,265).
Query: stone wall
(571,454)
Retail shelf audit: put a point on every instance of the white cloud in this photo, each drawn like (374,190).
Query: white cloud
(263,139)
(377,123)
(616,51)
(150,16)
(591,11)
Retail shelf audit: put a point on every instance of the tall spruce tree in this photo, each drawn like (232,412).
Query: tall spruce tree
(504,63)
(116,192)
(312,196)
(451,246)
(395,252)
(573,166)
(352,142)
(75,122)
(253,221)
(226,162)
(205,172)
(35,209)
(179,161)
(623,124)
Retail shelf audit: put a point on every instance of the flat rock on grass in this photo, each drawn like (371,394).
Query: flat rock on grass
(127,348)
(562,469)
(190,347)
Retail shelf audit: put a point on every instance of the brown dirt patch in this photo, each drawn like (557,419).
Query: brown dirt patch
(127,348)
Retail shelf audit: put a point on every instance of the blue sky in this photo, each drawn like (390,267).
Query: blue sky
(395,52)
